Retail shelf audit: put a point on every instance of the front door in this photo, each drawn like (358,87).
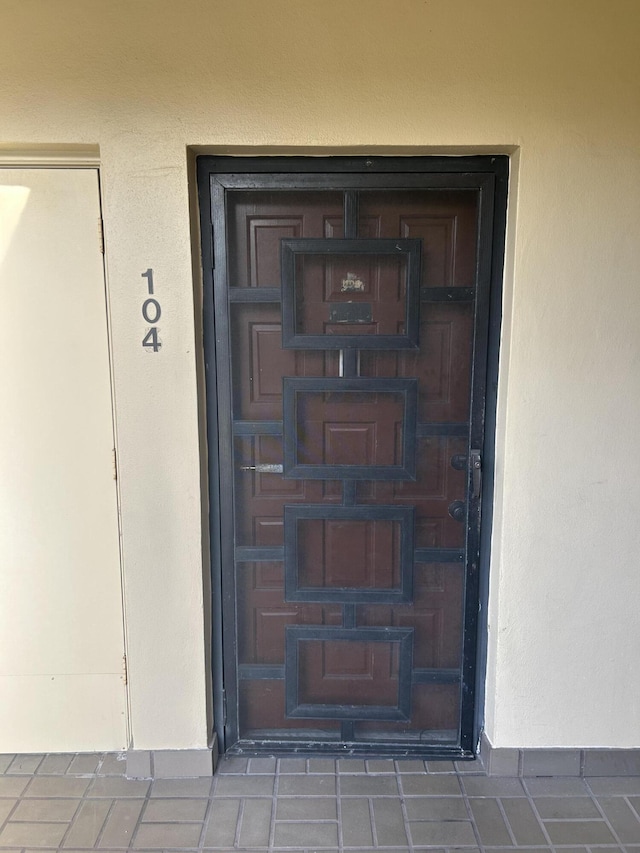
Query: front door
(347,317)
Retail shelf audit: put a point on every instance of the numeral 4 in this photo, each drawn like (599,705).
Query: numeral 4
(151,339)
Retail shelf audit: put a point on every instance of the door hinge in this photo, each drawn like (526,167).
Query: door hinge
(114,459)
(101,235)
(125,673)
(224,707)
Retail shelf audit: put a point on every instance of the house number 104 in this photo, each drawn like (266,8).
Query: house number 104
(151,313)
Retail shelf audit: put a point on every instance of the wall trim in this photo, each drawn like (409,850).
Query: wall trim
(558,762)
(50,156)
(171,763)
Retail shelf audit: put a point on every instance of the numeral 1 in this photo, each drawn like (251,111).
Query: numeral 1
(149,276)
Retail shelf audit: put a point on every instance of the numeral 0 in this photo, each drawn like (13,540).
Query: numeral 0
(151,304)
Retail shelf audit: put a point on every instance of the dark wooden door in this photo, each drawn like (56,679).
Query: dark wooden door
(351,327)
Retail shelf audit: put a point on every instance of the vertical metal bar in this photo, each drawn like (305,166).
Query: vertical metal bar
(486,196)
(350,361)
(218,370)
(347,731)
(349,492)
(349,615)
(351,214)
(500,166)
(209,343)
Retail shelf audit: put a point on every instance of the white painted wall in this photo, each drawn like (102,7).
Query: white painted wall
(61,626)
(557,81)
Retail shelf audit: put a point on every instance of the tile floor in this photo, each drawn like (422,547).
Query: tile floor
(83,802)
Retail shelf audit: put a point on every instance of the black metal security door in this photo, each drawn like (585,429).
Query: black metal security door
(351,314)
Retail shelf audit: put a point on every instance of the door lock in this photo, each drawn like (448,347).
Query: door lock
(457,510)
(459,461)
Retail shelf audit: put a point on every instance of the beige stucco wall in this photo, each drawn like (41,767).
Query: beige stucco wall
(558,82)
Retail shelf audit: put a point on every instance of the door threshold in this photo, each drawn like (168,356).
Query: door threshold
(315,749)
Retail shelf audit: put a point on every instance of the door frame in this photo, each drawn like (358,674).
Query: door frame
(489,173)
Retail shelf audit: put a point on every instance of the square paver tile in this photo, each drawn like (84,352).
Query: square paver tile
(255,823)
(223,823)
(388,821)
(406,765)
(193,788)
(524,824)
(474,767)
(306,786)
(55,763)
(113,764)
(421,785)
(121,823)
(382,765)
(307,835)
(301,808)
(88,823)
(579,832)
(566,808)
(262,765)
(357,830)
(25,764)
(232,764)
(492,786)
(116,786)
(57,786)
(451,833)
(560,787)
(160,810)
(292,765)
(615,785)
(5,809)
(32,834)
(85,763)
(5,761)
(436,808)
(351,765)
(321,765)
(368,786)
(154,836)
(622,817)
(244,786)
(441,767)
(12,786)
(489,821)
(46,810)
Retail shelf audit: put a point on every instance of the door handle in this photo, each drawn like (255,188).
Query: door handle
(263,469)
(476,473)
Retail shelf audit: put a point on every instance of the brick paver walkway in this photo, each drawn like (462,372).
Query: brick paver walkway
(83,802)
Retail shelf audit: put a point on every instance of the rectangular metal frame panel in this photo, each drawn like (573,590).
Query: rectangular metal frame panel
(352,595)
(295,634)
(290,248)
(293,385)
